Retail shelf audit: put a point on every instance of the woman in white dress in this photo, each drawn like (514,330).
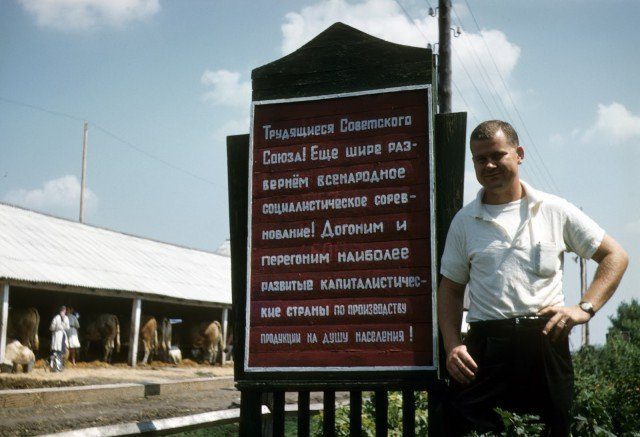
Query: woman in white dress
(72,334)
(59,327)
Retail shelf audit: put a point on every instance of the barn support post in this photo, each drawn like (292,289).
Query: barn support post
(136,310)
(225,322)
(4,319)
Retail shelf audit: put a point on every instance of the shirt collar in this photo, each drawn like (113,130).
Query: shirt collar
(534,198)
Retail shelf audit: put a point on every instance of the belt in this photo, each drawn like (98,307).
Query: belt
(531,320)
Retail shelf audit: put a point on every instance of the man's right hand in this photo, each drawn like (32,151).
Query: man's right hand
(460,365)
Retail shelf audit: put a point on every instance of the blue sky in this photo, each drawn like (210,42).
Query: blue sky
(171,79)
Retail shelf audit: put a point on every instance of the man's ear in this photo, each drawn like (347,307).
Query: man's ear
(520,152)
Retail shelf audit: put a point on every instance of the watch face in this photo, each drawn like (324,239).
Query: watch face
(586,306)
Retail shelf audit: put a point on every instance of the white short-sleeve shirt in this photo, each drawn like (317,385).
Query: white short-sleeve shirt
(508,276)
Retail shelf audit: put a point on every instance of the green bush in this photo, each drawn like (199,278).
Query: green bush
(394,413)
(627,319)
(607,380)
(608,386)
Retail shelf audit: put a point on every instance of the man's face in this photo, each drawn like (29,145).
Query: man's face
(496,162)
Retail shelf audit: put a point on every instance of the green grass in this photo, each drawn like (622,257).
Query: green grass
(232,430)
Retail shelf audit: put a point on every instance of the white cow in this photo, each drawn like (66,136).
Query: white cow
(17,355)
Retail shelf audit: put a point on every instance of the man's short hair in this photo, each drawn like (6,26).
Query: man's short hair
(488,129)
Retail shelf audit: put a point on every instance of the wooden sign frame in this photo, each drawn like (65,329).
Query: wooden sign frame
(352,373)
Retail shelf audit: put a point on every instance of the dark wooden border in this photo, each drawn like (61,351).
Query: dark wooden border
(339,60)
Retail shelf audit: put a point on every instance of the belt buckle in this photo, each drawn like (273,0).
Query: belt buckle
(527,317)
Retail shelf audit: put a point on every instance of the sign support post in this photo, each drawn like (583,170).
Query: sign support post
(292,322)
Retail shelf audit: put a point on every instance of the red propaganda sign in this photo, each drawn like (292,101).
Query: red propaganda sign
(341,234)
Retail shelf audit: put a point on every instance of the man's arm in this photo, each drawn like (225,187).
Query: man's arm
(612,262)
(450,300)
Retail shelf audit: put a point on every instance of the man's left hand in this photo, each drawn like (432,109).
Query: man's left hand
(562,319)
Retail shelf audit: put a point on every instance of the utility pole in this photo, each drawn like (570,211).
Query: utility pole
(444,58)
(583,290)
(84,169)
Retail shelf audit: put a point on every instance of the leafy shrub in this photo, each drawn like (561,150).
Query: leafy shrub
(607,380)
(515,425)
(394,413)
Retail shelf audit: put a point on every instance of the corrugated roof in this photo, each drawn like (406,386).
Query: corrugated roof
(43,249)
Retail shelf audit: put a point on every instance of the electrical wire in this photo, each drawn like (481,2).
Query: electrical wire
(535,169)
(113,136)
(427,40)
(535,148)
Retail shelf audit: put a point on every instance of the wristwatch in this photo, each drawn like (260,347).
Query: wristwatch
(587,307)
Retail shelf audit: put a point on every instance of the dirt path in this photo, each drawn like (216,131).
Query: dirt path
(101,373)
(52,418)
(43,419)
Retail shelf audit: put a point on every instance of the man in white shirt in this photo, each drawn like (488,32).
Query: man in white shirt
(508,246)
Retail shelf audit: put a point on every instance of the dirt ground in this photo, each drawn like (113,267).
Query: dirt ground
(54,418)
(43,419)
(101,373)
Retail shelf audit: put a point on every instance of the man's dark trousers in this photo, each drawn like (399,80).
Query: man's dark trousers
(519,370)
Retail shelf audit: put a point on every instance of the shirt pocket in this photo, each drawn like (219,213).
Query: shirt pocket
(547,259)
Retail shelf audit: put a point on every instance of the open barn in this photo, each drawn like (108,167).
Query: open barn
(46,262)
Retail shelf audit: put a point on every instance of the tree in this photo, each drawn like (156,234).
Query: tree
(627,319)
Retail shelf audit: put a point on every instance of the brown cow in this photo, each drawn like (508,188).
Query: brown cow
(149,336)
(106,329)
(206,339)
(23,326)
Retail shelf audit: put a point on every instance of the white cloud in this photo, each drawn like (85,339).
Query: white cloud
(381,18)
(58,196)
(227,89)
(615,123)
(87,14)
(235,126)
(471,56)
(385,19)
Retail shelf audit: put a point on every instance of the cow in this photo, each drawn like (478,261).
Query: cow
(106,329)
(149,336)
(17,355)
(175,355)
(206,339)
(23,326)
(165,344)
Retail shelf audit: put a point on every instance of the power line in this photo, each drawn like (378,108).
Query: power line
(149,155)
(471,80)
(480,66)
(536,172)
(112,135)
(550,176)
(534,168)
(456,53)
(40,108)
(427,40)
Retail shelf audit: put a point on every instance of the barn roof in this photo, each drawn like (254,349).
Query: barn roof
(44,250)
